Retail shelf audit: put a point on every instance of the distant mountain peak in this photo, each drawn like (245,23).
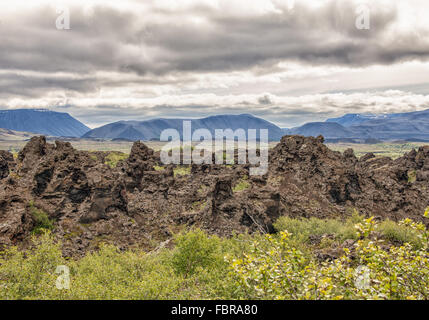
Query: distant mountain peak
(350,119)
(411,126)
(42,121)
(151,129)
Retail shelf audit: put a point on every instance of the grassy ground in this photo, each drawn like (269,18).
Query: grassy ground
(393,150)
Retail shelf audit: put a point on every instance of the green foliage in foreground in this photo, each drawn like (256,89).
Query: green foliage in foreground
(242,267)
(303,229)
(369,272)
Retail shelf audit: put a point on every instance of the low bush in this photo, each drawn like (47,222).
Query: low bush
(369,272)
(244,266)
(398,233)
(195,250)
(31,274)
(41,219)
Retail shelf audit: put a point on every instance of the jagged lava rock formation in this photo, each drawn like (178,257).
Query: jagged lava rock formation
(136,204)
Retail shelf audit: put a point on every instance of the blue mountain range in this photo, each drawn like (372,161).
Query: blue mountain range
(42,121)
(411,126)
(151,129)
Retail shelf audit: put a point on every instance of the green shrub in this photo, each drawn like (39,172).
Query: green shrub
(369,272)
(195,250)
(395,232)
(241,267)
(106,274)
(302,229)
(31,274)
(41,218)
(112,274)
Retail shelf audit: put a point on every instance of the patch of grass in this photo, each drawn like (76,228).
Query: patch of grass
(391,150)
(158,168)
(302,229)
(242,185)
(113,158)
(41,218)
(199,205)
(412,177)
(195,250)
(181,171)
(394,232)
(85,225)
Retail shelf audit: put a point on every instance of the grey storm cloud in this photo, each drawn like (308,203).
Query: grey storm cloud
(16,84)
(108,39)
(199,56)
(265,100)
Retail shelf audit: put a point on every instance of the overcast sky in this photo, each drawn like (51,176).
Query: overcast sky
(287,61)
